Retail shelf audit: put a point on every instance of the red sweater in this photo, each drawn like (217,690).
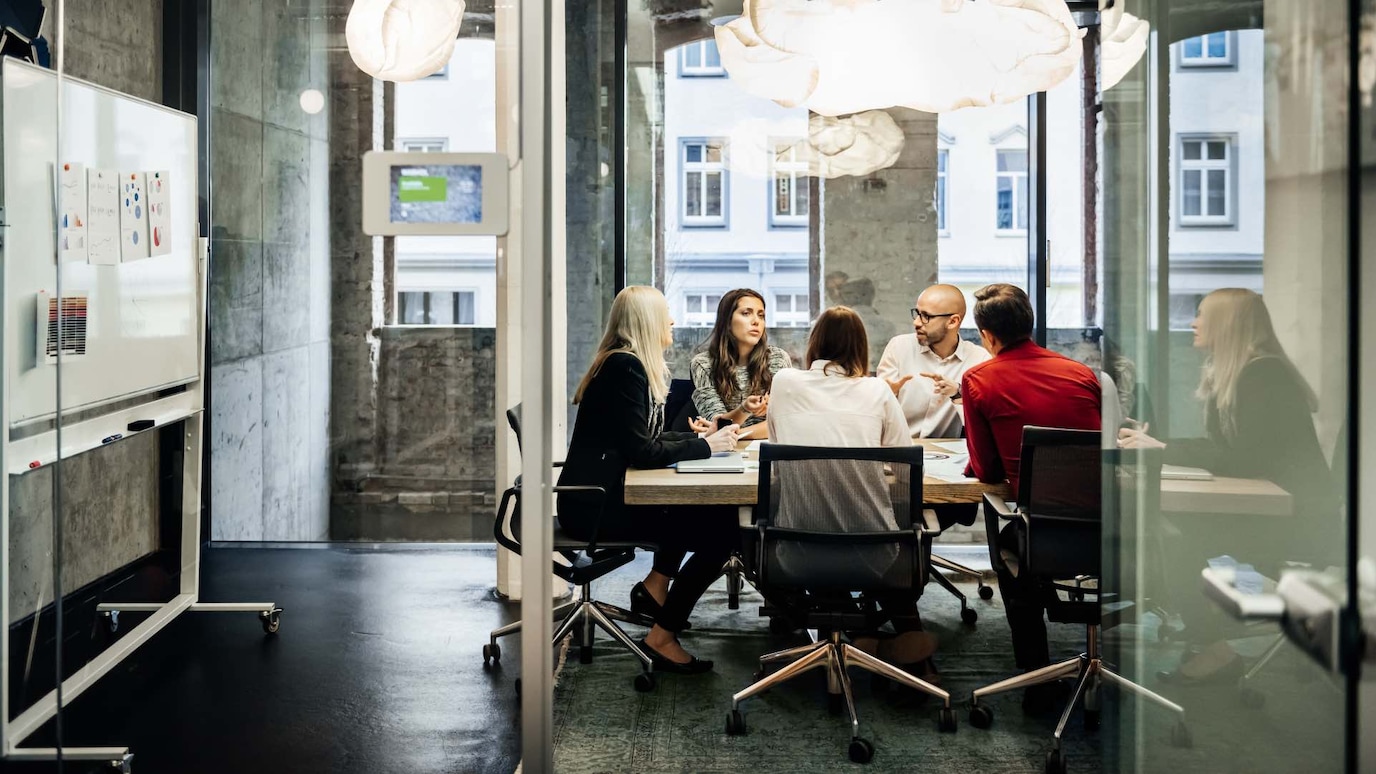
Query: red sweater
(1023,385)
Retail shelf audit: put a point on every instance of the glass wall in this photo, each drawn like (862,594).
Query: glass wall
(1224,231)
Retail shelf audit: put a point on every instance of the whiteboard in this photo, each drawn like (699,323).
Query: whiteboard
(144,317)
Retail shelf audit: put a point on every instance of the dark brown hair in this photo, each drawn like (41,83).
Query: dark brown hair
(1004,311)
(839,336)
(723,350)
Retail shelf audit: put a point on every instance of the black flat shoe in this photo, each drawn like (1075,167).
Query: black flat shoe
(642,603)
(661,664)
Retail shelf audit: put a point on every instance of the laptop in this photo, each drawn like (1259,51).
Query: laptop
(1182,473)
(725,462)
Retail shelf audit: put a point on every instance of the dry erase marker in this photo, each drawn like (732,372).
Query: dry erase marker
(112,439)
(34,464)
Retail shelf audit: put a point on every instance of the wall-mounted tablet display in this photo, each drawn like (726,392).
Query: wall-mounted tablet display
(434,193)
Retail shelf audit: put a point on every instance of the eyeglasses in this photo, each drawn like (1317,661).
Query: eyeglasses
(926,318)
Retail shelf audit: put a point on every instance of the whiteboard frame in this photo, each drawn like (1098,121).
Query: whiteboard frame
(22,456)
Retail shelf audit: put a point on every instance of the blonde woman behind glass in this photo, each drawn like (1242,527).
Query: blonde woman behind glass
(620,425)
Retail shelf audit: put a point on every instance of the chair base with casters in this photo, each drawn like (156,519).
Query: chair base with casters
(1092,673)
(734,571)
(836,656)
(986,592)
(580,616)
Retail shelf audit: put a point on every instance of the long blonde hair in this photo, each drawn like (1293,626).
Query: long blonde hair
(636,326)
(1237,330)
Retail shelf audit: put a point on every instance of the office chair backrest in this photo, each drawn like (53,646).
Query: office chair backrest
(1060,492)
(840,518)
(513,418)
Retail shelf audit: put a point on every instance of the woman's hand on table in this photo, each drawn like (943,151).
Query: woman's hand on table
(756,405)
(1130,438)
(723,440)
(701,426)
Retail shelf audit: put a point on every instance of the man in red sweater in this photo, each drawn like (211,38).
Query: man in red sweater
(1023,384)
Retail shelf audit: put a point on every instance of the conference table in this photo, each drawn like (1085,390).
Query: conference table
(1219,495)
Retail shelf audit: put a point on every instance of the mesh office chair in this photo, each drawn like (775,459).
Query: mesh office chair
(818,517)
(1059,504)
(587,560)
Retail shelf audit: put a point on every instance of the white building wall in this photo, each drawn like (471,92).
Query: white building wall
(460,108)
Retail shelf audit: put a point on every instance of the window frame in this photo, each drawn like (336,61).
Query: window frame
(706,318)
(1205,61)
(402,143)
(941,195)
(798,172)
(794,295)
(686,70)
(426,295)
(720,168)
(1015,230)
(1228,165)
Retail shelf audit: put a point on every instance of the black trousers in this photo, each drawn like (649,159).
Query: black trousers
(1024,601)
(709,533)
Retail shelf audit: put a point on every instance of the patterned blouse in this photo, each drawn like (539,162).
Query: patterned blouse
(705,398)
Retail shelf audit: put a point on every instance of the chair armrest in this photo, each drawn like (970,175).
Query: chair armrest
(931,525)
(1000,507)
(597,523)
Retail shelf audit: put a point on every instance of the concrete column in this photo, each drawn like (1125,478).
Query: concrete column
(872,232)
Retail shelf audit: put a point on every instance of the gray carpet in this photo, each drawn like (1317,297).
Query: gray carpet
(603,725)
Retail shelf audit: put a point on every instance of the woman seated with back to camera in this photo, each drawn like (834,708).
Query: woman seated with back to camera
(731,380)
(833,403)
(620,425)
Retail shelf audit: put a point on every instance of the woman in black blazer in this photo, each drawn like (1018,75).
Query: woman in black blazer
(620,425)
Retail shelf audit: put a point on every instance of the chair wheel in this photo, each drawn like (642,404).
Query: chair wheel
(861,750)
(644,682)
(981,716)
(986,593)
(835,703)
(968,615)
(1181,736)
(1055,762)
(735,723)
(759,675)
(585,654)
(492,654)
(1091,720)
(946,720)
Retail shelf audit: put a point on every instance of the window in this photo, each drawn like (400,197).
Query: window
(700,309)
(704,183)
(789,197)
(1206,181)
(423,144)
(1212,50)
(939,200)
(1012,192)
(444,307)
(790,310)
(700,60)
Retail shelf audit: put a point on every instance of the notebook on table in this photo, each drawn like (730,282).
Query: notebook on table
(1182,473)
(724,462)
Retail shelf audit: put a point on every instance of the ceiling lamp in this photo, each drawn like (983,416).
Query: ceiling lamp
(854,145)
(836,57)
(1123,40)
(402,40)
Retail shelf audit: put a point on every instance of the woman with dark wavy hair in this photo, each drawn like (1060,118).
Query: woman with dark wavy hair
(731,379)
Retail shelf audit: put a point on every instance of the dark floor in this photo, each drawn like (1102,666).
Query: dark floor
(376,668)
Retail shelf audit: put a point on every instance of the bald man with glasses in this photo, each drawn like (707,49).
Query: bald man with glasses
(924,368)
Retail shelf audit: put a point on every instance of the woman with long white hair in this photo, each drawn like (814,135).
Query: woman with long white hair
(620,425)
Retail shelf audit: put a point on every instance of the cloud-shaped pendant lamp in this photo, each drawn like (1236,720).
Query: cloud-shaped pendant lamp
(836,57)
(1123,40)
(402,40)
(850,145)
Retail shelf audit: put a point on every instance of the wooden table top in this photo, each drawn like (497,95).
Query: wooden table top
(1229,496)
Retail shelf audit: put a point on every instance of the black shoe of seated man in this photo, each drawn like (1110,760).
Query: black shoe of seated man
(643,603)
(1045,698)
(696,666)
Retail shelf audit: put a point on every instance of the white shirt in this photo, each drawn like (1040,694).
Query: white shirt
(929,414)
(817,408)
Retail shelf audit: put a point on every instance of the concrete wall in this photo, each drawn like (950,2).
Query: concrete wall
(110,496)
(269,281)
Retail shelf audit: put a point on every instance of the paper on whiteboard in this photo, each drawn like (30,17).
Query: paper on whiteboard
(72,206)
(133,217)
(102,216)
(159,219)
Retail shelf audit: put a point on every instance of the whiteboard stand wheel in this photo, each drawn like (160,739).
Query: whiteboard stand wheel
(111,620)
(271,619)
